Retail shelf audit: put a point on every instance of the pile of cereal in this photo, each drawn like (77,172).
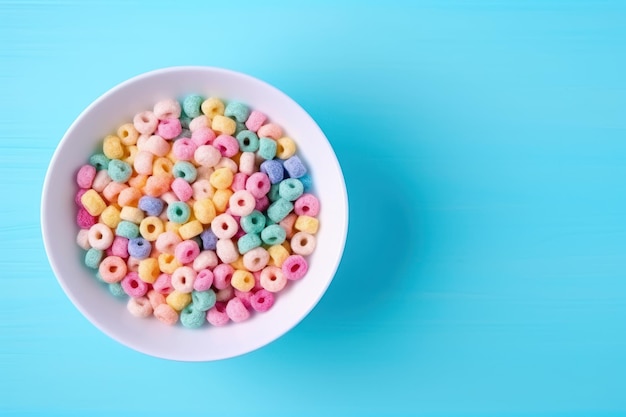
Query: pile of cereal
(200,213)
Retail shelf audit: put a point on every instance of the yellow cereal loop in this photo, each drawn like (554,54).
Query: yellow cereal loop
(170,155)
(221,178)
(172,227)
(128,134)
(238,264)
(220,199)
(307,224)
(223,125)
(131,151)
(287,246)
(149,270)
(110,216)
(178,300)
(162,167)
(93,203)
(204,210)
(168,263)
(112,147)
(212,107)
(278,254)
(242,280)
(132,214)
(151,227)
(285,148)
(190,229)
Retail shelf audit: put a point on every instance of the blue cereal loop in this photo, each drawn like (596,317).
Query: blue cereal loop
(294,167)
(273,169)
(139,248)
(307,182)
(209,240)
(151,205)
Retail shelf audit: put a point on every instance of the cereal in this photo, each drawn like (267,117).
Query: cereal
(274,170)
(303,243)
(270,130)
(198,210)
(267,148)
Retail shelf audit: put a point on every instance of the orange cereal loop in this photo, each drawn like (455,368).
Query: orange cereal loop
(172,227)
(129,197)
(157,185)
(128,134)
(220,199)
(162,166)
(238,264)
(138,181)
(166,314)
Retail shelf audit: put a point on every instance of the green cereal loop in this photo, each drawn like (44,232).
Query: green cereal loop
(178,212)
(98,276)
(290,189)
(127,229)
(248,242)
(237,111)
(117,290)
(248,141)
(191,105)
(267,148)
(273,235)
(191,317)
(239,127)
(185,170)
(279,209)
(203,300)
(253,222)
(274,192)
(184,121)
(99,161)
(119,171)
(93,257)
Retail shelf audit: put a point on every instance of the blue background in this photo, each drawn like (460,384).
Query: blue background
(484,149)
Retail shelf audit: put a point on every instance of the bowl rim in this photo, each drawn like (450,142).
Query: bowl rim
(46,217)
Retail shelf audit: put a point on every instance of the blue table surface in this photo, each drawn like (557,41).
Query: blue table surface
(483,144)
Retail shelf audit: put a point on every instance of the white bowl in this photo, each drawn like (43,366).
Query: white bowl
(150,336)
